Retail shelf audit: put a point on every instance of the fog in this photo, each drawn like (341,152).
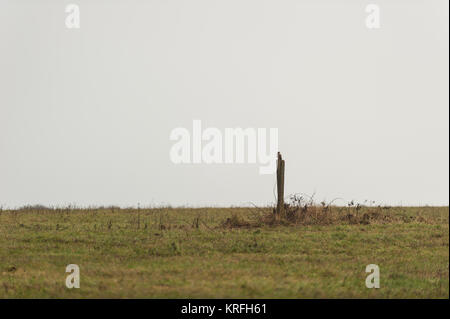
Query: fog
(86,114)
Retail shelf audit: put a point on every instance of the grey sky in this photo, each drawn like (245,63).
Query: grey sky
(85,115)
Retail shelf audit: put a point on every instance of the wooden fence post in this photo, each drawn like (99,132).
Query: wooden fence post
(280,186)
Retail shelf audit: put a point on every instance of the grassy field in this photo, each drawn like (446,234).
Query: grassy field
(225,253)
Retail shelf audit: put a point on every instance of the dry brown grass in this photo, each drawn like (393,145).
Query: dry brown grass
(300,211)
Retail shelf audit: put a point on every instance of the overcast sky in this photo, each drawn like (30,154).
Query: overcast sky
(86,114)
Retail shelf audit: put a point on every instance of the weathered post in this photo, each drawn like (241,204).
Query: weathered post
(280,186)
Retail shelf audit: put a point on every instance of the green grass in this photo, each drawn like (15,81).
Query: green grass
(180,253)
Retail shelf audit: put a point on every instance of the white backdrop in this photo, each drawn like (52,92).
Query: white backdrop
(85,114)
